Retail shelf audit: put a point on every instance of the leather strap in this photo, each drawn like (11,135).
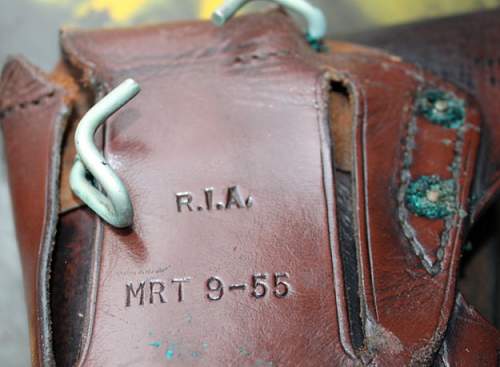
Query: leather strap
(407,262)
(33,116)
(463,50)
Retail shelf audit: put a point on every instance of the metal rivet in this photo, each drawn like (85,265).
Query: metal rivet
(441,108)
(441,105)
(431,197)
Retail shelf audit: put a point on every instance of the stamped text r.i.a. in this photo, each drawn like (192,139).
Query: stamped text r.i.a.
(186,201)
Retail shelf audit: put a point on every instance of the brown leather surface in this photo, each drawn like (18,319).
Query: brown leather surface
(241,106)
(341,125)
(470,339)
(249,105)
(463,50)
(32,113)
(405,302)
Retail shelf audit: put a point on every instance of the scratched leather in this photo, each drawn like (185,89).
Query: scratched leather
(247,105)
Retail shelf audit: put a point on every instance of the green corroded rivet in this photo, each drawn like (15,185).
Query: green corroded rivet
(431,197)
(442,108)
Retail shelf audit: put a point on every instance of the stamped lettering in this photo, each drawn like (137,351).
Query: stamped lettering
(259,286)
(180,289)
(234,199)
(135,292)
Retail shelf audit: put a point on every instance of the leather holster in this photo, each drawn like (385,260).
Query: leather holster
(269,183)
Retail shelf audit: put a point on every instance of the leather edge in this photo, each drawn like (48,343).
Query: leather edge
(41,337)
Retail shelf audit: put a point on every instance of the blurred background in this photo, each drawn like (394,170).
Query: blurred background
(30,27)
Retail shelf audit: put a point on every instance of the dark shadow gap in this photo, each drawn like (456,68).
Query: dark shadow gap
(479,275)
(342,135)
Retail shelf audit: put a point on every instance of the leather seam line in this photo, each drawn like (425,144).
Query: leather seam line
(433,268)
(24,105)
(245,59)
(234,62)
(74,58)
(48,241)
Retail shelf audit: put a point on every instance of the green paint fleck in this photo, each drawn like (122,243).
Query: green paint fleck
(169,353)
(205,345)
(442,108)
(244,352)
(431,197)
(195,354)
(155,344)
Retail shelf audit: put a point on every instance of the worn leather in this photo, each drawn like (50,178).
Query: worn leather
(318,146)
(393,281)
(463,50)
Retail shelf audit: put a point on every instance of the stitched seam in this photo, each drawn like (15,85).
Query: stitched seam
(234,62)
(451,222)
(24,105)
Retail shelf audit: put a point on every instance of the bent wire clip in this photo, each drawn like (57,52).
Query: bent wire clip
(111,200)
(317,25)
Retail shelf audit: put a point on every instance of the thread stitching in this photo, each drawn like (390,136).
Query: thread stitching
(450,222)
(24,105)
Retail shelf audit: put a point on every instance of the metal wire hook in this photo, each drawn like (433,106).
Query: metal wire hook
(317,25)
(112,203)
